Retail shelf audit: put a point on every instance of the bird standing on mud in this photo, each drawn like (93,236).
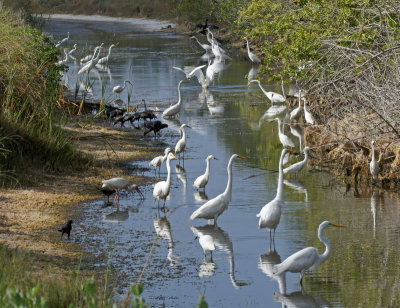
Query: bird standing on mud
(155,127)
(66,228)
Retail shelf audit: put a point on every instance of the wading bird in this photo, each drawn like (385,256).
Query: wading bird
(88,66)
(253,57)
(90,57)
(189,71)
(206,47)
(307,115)
(118,184)
(118,89)
(272,96)
(202,180)
(216,206)
(161,189)
(285,140)
(66,228)
(181,144)
(296,113)
(105,59)
(270,214)
(155,127)
(174,109)
(64,40)
(297,167)
(307,258)
(373,165)
(159,160)
(207,243)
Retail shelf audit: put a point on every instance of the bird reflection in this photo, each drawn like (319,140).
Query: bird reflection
(117,216)
(298,186)
(200,196)
(298,132)
(267,262)
(375,202)
(163,230)
(213,107)
(222,241)
(273,111)
(207,268)
(181,174)
(174,124)
(300,299)
(253,72)
(105,69)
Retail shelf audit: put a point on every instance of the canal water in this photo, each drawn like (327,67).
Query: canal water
(141,243)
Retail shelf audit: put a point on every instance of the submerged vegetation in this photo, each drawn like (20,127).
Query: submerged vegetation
(31,110)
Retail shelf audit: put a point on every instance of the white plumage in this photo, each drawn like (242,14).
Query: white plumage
(118,89)
(118,184)
(297,167)
(64,40)
(216,206)
(189,71)
(90,57)
(202,180)
(307,115)
(307,258)
(161,189)
(105,59)
(159,160)
(285,140)
(174,109)
(270,214)
(296,113)
(88,66)
(207,243)
(253,57)
(373,165)
(181,144)
(272,96)
(206,47)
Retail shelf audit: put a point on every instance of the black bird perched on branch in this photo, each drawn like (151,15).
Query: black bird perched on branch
(205,26)
(156,126)
(66,228)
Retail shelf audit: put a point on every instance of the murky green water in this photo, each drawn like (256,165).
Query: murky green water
(363,270)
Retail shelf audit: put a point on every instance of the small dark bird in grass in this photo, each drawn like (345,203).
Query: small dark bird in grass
(66,228)
(156,126)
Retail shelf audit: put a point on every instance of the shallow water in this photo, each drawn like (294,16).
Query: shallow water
(363,269)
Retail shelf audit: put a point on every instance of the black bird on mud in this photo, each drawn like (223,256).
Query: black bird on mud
(156,126)
(120,119)
(147,113)
(66,228)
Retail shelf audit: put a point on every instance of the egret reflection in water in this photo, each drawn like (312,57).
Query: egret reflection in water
(163,230)
(222,242)
(200,196)
(300,299)
(298,186)
(266,264)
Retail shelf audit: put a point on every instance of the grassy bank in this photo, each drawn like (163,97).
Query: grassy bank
(31,112)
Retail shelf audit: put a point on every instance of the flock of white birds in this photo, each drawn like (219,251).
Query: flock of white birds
(270,214)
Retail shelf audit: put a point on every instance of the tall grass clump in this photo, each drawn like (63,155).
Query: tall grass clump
(30,89)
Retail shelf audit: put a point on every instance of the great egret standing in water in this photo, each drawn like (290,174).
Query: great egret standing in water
(285,140)
(202,180)
(297,167)
(216,206)
(64,40)
(272,96)
(118,89)
(253,57)
(270,214)
(206,47)
(174,109)
(105,59)
(90,57)
(181,144)
(159,160)
(161,189)
(296,113)
(373,165)
(307,258)
(88,66)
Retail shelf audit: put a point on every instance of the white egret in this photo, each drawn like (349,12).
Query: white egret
(307,258)
(189,71)
(216,206)
(88,66)
(206,47)
(297,167)
(202,180)
(159,160)
(161,189)
(118,184)
(90,57)
(72,50)
(296,113)
(285,140)
(118,89)
(63,61)
(105,59)
(272,96)
(297,131)
(270,214)
(181,144)
(64,40)
(174,109)
(373,165)
(207,243)
(307,115)
(253,57)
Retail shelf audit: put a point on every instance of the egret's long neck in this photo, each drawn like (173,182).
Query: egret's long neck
(373,152)
(327,243)
(283,89)
(262,89)
(248,47)
(169,172)
(184,135)
(165,157)
(98,54)
(109,50)
(279,126)
(228,189)
(207,168)
(305,104)
(279,192)
(197,40)
(179,93)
